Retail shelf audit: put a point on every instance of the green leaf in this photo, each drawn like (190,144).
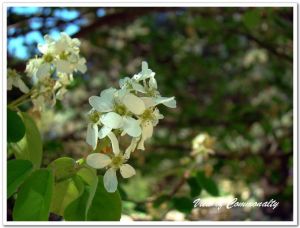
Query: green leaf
(78,209)
(64,193)
(208,184)
(30,147)
(183,204)
(15,127)
(34,198)
(105,206)
(195,188)
(63,168)
(17,172)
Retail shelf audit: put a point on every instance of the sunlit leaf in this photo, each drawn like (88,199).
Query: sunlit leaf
(34,197)
(30,147)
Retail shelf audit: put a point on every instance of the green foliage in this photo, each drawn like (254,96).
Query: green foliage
(77,210)
(207,183)
(17,172)
(183,204)
(34,198)
(15,127)
(252,18)
(195,186)
(30,147)
(64,193)
(105,206)
(63,168)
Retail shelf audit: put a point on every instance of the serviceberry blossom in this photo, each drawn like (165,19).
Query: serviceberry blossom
(131,110)
(113,163)
(53,71)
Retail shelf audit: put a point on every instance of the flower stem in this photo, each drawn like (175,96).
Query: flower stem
(22,99)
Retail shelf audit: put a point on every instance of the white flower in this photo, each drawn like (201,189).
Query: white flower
(145,73)
(60,56)
(14,79)
(113,163)
(32,67)
(131,85)
(149,119)
(115,108)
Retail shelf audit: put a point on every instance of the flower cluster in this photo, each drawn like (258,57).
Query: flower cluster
(130,110)
(53,71)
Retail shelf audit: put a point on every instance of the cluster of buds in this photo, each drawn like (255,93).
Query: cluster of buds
(53,71)
(131,110)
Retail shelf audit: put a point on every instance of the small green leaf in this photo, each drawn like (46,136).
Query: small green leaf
(15,127)
(64,193)
(17,172)
(63,168)
(34,198)
(183,204)
(208,184)
(105,206)
(30,147)
(195,188)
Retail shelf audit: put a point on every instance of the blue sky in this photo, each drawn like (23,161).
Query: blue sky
(17,46)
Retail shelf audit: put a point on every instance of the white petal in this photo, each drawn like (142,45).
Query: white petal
(63,66)
(144,66)
(167,101)
(114,142)
(123,81)
(138,87)
(98,161)
(147,131)
(131,126)
(100,104)
(131,148)
(108,94)
(92,135)
(134,104)
(153,83)
(43,48)
(127,171)
(104,132)
(43,70)
(81,66)
(148,101)
(112,120)
(110,180)
(22,86)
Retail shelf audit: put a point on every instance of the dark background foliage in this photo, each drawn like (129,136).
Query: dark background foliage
(230,70)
